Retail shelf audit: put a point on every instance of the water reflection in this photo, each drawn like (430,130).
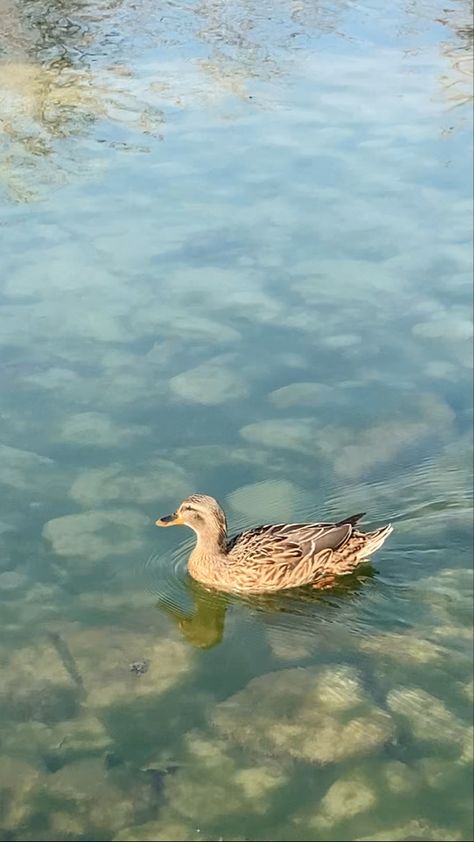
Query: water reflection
(203,625)
(71,70)
(458,81)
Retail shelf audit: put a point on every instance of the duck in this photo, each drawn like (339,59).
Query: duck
(272,557)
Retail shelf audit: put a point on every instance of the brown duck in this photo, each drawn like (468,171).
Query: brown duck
(273,557)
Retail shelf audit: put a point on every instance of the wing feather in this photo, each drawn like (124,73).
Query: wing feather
(286,545)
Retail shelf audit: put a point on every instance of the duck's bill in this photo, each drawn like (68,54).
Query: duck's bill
(169,520)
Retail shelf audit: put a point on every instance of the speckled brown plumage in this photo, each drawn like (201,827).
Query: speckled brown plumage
(272,557)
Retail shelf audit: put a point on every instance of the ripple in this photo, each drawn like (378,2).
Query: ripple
(165,574)
(382,594)
(306,617)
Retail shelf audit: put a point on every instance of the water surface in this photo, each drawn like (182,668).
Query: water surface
(236,259)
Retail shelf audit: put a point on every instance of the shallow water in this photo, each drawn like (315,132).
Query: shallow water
(236,252)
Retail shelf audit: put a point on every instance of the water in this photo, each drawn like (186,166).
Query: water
(236,259)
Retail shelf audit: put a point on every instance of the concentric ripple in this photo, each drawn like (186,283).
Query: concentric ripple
(165,574)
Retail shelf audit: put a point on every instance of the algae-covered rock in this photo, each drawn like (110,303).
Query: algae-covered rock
(104,655)
(449,595)
(291,644)
(89,791)
(165,829)
(418,829)
(35,685)
(346,798)
(199,456)
(98,430)
(94,535)
(296,434)
(40,602)
(301,394)
(116,602)
(381,443)
(19,781)
(404,648)
(428,718)
(214,784)
(319,716)
(210,383)
(67,824)
(158,480)
(445,326)
(468,690)
(467,746)
(83,736)
(399,778)
(86,735)
(269,501)
(11,580)
(26,471)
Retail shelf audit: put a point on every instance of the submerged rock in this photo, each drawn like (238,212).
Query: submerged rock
(269,501)
(298,434)
(418,829)
(11,580)
(399,778)
(66,825)
(94,535)
(35,685)
(19,781)
(213,784)
(346,798)
(467,745)
(163,829)
(103,656)
(291,644)
(454,328)
(39,602)
(382,442)
(468,690)
(301,394)
(158,480)
(408,648)
(24,470)
(319,716)
(341,341)
(98,430)
(210,383)
(428,717)
(200,457)
(87,788)
(83,736)
(449,595)
(115,603)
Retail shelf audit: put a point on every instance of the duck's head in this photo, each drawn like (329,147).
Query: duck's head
(201,513)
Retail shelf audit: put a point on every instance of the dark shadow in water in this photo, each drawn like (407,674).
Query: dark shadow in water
(203,625)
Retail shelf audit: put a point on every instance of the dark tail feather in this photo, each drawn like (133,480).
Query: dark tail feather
(352,520)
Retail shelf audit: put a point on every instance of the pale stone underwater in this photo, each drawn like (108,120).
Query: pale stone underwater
(140,754)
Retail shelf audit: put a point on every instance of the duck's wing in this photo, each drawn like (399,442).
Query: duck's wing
(287,543)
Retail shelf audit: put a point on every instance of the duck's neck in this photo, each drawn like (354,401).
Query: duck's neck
(211,540)
(208,560)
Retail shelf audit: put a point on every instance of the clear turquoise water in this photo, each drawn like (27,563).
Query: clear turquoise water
(236,259)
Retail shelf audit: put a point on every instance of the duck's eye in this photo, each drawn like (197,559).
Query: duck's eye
(186,508)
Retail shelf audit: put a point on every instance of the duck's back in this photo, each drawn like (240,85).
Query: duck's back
(287,543)
(277,556)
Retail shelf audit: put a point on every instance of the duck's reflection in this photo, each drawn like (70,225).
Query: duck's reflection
(203,624)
